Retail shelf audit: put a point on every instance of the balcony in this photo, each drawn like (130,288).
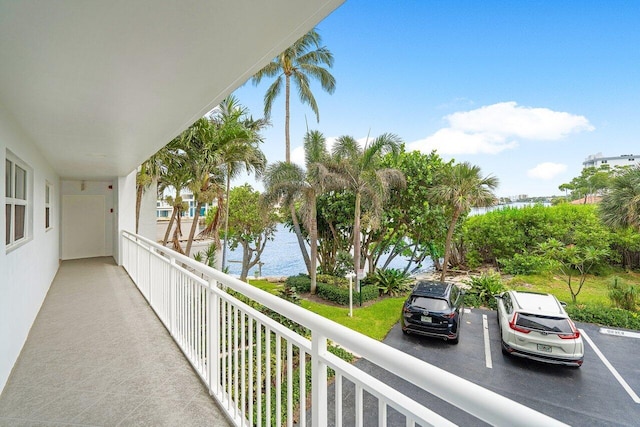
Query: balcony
(97,355)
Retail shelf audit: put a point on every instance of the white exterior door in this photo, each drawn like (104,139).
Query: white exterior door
(83,226)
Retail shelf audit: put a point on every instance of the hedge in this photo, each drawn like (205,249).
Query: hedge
(605,316)
(301,282)
(340,295)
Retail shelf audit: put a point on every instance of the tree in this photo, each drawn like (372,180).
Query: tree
(569,259)
(242,154)
(591,181)
(361,172)
(301,62)
(208,145)
(289,183)
(412,226)
(176,176)
(250,225)
(620,206)
(148,172)
(461,188)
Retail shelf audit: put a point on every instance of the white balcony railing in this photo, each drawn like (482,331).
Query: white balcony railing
(256,368)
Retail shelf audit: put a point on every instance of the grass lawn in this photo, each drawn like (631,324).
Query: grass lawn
(594,292)
(374,320)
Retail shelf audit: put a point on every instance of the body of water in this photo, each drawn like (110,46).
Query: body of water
(282,257)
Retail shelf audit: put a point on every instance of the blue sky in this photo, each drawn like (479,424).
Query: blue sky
(525,90)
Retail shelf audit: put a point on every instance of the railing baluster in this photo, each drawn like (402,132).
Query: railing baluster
(318,381)
(289,384)
(303,386)
(267,346)
(251,373)
(243,366)
(278,379)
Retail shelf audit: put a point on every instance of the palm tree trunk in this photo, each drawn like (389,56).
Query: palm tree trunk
(139,192)
(447,243)
(313,238)
(287,142)
(194,225)
(226,224)
(356,241)
(171,221)
(296,229)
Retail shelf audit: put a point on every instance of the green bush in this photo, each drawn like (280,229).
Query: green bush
(301,283)
(623,295)
(483,288)
(605,316)
(392,282)
(340,295)
(332,280)
(524,264)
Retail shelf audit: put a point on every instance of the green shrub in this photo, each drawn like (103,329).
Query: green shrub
(340,295)
(524,264)
(483,288)
(605,316)
(623,295)
(289,293)
(301,283)
(392,282)
(332,280)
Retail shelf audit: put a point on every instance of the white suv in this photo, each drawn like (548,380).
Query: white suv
(537,327)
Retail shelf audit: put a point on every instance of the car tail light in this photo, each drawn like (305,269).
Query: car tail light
(450,315)
(575,333)
(515,327)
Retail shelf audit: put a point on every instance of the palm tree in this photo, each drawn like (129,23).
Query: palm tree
(242,154)
(148,173)
(300,62)
(461,187)
(620,206)
(288,183)
(360,172)
(176,176)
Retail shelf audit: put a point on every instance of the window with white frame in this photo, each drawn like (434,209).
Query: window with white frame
(48,196)
(17,201)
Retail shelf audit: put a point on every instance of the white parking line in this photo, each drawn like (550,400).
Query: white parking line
(619,333)
(613,370)
(487,346)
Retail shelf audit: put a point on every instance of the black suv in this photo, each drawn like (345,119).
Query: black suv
(434,309)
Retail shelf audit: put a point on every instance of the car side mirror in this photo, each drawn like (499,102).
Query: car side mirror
(562,303)
(498,296)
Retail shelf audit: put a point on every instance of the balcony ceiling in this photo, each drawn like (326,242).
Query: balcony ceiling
(100,86)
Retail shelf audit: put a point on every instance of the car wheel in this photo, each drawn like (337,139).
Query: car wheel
(405,331)
(502,346)
(456,340)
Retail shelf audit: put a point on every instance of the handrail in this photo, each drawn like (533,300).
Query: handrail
(469,397)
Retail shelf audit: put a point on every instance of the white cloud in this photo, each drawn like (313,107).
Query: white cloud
(494,128)
(546,171)
(455,141)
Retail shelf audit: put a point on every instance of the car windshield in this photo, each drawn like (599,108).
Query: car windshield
(543,323)
(432,304)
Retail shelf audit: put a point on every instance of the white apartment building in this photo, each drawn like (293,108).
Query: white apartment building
(597,160)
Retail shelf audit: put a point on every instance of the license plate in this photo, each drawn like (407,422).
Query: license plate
(542,347)
(425,319)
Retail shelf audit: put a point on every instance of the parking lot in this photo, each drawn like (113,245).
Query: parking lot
(603,392)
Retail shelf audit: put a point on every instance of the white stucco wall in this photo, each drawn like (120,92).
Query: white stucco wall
(95,188)
(126,210)
(26,272)
(147,226)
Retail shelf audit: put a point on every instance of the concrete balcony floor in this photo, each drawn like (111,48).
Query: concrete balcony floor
(98,356)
